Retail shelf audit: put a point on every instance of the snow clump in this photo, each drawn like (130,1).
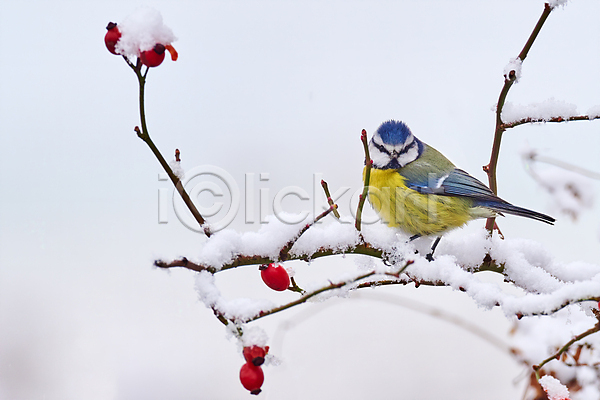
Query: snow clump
(141,31)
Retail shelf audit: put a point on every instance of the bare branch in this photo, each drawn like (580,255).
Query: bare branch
(145,136)
(367,178)
(329,199)
(331,286)
(556,356)
(490,169)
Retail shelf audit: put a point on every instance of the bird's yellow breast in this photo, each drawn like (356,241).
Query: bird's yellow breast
(411,211)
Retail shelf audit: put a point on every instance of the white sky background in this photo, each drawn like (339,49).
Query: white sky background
(280,87)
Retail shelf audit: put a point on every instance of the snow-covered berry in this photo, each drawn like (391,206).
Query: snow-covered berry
(255,354)
(112,37)
(153,57)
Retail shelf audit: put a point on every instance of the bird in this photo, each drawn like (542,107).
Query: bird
(415,188)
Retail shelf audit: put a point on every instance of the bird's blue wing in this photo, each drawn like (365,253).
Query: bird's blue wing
(455,183)
(460,183)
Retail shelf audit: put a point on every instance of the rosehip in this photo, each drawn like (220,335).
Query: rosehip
(275,277)
(252,377)
(153,57)
(255,354)
(112,37)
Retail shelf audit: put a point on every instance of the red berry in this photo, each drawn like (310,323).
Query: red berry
(255,354)
(275,277)
(112,37)
(252,377)
(153,57)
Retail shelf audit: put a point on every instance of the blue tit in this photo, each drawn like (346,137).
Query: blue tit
(415,188)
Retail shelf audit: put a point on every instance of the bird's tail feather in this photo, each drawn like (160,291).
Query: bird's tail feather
(522,212)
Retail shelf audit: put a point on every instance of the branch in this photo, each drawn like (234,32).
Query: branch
(284,252)
(362,248)
(490,169)
(523,121)
(329,199)
(594,329)
(331,286)
(243,260)
(566,303)
(145,136)
(367,177)
(536,30)
(184,263)
(306,297)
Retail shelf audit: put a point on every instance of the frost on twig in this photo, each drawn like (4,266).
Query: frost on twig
(512,70)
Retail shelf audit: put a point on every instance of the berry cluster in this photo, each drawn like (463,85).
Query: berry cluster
(251,374)
(151,58)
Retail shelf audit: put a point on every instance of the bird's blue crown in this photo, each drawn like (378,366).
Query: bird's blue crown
(393,132)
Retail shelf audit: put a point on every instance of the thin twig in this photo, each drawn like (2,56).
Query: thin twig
(145,136)
(284,252)
(556,356)
(490,169)
(184,263)
(294,286)
(306,297)
(530,120)
(238,262)
(329,199)
(329,287)
(368,166)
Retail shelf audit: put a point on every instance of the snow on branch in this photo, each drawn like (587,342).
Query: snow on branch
(547,284)
(550,110)
(543,111)
(383,256)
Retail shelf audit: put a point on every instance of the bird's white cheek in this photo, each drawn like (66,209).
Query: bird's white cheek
(411,155)
(379,158)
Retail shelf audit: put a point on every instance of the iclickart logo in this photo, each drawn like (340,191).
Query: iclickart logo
(217,196)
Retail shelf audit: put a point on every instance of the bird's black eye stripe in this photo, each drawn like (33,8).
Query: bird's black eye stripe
(383,149)
(380,147)
(406,149)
